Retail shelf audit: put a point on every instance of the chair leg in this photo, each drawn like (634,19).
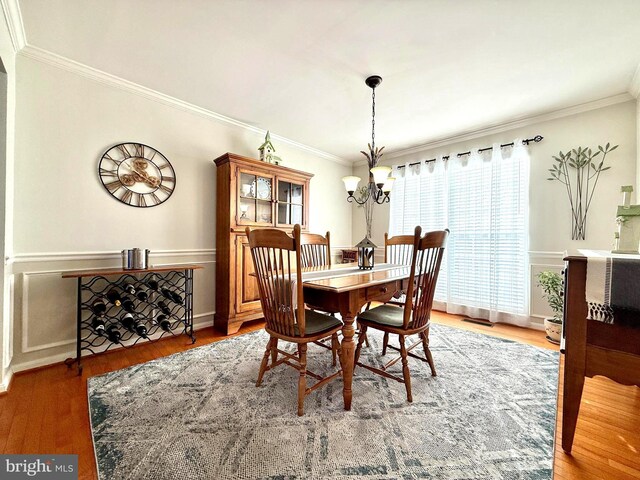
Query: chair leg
(405,369)
(274,350)
(302,381)
(265,361)
(361,338)
(362,333)
(425,345)
(334,348)
(385,342)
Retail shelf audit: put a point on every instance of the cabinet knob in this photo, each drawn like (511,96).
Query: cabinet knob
(383,289)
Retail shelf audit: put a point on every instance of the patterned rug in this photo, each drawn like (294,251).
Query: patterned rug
(489,414)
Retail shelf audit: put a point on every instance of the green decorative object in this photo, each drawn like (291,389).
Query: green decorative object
(578,170)
(627,238)
(267,151)
(552,285)
(553,291)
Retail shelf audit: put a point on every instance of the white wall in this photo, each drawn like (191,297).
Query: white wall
(6,203)
(65,220)
(550,214)
(636,196)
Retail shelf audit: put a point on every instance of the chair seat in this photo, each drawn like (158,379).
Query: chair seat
(388,315)
(316,322)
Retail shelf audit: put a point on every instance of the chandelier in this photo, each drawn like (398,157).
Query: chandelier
(380,182)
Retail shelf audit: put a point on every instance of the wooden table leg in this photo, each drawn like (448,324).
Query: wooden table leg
(575,329)
(347,357)
(572,394)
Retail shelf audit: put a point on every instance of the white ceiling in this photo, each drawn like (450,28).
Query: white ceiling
(298,67)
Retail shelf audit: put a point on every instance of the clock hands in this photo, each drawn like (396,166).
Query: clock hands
(137,168)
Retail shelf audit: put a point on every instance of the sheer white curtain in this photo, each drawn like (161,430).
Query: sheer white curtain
(483,200)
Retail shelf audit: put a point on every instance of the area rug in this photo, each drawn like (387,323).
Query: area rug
(489,414)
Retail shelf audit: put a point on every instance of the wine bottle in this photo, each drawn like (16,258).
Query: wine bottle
(164,307)
(98,325)
(176,298)
(128,305)
(142,295)
(114,297)
(113,334)
(153,285)
(98,307)
(140,328)
(127,321)
(129,288)
(167,293)
(164,323)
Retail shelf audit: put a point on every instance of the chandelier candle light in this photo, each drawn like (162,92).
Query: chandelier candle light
(380,183)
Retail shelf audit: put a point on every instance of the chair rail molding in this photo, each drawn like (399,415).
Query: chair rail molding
(104,255)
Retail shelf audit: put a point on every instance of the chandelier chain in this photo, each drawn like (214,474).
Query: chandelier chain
(373,120)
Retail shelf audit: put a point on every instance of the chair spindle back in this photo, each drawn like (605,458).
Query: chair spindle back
(315,250)
(425,266)
(276,261)
(399,249)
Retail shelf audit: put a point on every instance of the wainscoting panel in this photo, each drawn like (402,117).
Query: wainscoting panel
(540,262)
(45,315)
(48,311)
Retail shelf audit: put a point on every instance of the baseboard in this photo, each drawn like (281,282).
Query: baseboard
(6,383)
(204,321)
(478,321)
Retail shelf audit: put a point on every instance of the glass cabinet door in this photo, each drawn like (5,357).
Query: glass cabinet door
(290,203)
(254,199)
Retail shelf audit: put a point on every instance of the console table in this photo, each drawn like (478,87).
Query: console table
(124,307)
(592,347)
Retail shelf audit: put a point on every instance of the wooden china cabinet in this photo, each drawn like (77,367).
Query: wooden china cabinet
(255,194)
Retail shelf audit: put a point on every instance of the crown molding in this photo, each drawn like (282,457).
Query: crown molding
(45,56)
(634,86)
(502,127)
(13,17)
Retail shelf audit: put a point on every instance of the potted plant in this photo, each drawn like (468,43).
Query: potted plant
(553,290)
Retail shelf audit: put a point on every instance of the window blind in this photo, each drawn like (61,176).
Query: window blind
(482,199)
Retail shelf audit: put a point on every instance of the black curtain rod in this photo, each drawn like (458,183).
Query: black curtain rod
(535,139)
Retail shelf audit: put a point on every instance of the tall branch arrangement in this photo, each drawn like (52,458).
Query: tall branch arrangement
(579,170)
(373,157)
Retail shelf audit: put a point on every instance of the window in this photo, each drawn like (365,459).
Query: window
(483,200)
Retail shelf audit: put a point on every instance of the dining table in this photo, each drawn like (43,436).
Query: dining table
(345,288)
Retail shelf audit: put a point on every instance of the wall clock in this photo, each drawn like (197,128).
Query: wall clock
(137,174)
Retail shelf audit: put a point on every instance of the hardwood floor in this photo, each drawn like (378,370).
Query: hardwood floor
(45,410)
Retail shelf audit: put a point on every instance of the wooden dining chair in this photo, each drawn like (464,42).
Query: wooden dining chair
(397,250)
(414,316)
(277,262)
(315,250)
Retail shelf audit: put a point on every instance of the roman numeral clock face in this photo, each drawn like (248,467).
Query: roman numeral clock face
(137,175)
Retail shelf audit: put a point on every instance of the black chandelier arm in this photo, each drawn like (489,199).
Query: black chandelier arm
(351,199)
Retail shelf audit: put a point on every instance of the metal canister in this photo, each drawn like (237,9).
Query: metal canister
(127,259)
(140,258)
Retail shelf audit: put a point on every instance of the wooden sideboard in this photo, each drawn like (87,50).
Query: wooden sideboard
(255,194)
(592,348)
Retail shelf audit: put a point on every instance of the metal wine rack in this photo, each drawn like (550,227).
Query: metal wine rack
(174,288)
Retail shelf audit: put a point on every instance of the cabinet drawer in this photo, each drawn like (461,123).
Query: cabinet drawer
(383,291)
